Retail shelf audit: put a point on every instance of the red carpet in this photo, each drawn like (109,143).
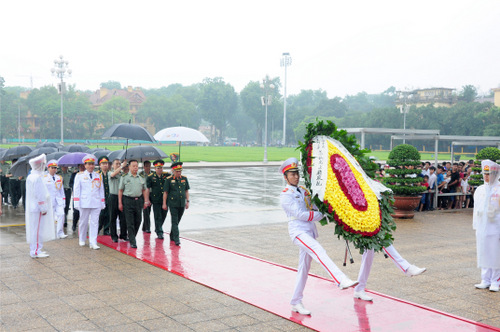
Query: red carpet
(269,286)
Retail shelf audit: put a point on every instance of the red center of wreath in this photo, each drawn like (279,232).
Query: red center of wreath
(348,182)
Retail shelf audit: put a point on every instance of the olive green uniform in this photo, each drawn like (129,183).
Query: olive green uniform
(133,202)
(5,181)
(114,212)
(176,202)
(67,191)
(146,213)
(155,184)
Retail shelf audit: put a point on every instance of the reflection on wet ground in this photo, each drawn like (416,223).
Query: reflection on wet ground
(220,197)
(226,197)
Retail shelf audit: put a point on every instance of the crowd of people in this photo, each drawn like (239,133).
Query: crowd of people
(445,179)
(101,198)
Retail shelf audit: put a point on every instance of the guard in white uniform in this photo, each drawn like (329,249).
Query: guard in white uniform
(296,201)
(88,196)
(486,222)
(54,184)
(39,220)
(366,266)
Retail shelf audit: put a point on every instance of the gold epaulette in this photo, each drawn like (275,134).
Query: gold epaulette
(169,176)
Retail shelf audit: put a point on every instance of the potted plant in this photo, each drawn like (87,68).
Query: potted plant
(403,180)
(490,153)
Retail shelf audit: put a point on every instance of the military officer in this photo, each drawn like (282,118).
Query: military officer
(88,197)
(66,176)
(176,198)
(302,216)
(155,182)
(76,214)
(0,198)
(104,215)
(4,168)
(14,186)
(133,197)
(54,184)
(146,213)
(114,181)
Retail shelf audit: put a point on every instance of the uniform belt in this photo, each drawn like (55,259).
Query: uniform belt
(134,198)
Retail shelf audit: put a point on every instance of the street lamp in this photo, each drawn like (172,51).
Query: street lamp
(404,108)
(286,61)
(268,87)
(61,71)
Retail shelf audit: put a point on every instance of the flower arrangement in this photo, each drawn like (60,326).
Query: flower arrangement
(348,199)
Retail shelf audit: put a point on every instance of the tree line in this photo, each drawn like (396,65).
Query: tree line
(216,104)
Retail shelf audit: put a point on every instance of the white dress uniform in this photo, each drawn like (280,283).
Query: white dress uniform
(295,201)
(88,196)
(486,222)
(55,188)
(39,220)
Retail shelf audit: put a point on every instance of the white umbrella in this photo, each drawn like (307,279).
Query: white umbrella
(180,134)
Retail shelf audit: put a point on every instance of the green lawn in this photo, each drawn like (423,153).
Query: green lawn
(235,154)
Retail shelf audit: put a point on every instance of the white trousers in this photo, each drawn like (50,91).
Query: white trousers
(59,217)
(491,276)
(367,262)
(89,220)
(36,243)
(311,249)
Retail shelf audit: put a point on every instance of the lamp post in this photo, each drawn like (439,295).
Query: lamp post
(404,108)
(61,71)
(286,61)
(267,86)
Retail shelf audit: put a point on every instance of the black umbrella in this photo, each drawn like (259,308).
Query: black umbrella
(128,131)
(142,153)
(16,152)
(118,154)
(21,167)
(56,155)
(2,152)
(49,145)
(75,148)
(99,154)
(39,151)
(96,149)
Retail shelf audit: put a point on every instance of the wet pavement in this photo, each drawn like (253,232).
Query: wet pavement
(238,209)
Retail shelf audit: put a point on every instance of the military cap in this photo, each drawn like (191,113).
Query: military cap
(89,158)
(177,166)
(52,163)
(291,164)
(158,163)
(103,159)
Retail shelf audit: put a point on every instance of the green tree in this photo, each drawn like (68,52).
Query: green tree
(217,103)
(111,85)
(468,93)
(115,110)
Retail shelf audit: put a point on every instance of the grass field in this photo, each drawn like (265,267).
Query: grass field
(241,154)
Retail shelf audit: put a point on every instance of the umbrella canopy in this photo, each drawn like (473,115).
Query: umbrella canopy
(49,145)
(99,154)
(21,167)
(2,152)
(128,131)
(96,149)
(142,153)
(56,155)
(16,152)
(118,154)
(75,148)
(180,134)
(72,159)
(39,151)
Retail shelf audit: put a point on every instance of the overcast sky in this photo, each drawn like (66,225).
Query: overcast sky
(343,47)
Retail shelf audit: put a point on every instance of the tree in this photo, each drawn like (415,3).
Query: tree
(468,94)
(115,110)
(217,103)
(111,85)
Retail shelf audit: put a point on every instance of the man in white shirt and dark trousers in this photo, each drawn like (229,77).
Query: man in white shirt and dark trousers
(54,184)
(296,202)
(88,196)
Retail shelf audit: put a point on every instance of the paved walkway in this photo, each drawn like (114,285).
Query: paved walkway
(104,290)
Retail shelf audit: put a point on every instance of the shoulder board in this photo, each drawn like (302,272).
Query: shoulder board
(185,177)
(124,174)
(45,175)
(285,190)
(80,172)
(151,174)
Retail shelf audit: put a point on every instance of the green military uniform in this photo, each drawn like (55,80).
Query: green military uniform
(146,213)
(66,176)
(14,188)
(114,212)
(155,184)
(176,188)
(133,203)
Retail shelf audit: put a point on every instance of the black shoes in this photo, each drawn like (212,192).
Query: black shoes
(160,237)
(133,246)
(115,240)
(148,231)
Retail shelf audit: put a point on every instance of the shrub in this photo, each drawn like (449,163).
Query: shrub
(490,153)
(402,183)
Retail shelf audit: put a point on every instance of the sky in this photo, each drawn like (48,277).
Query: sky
(342,47)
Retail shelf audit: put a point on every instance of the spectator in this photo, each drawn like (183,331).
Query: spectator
(453,186)
(425,195)
(432,187)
